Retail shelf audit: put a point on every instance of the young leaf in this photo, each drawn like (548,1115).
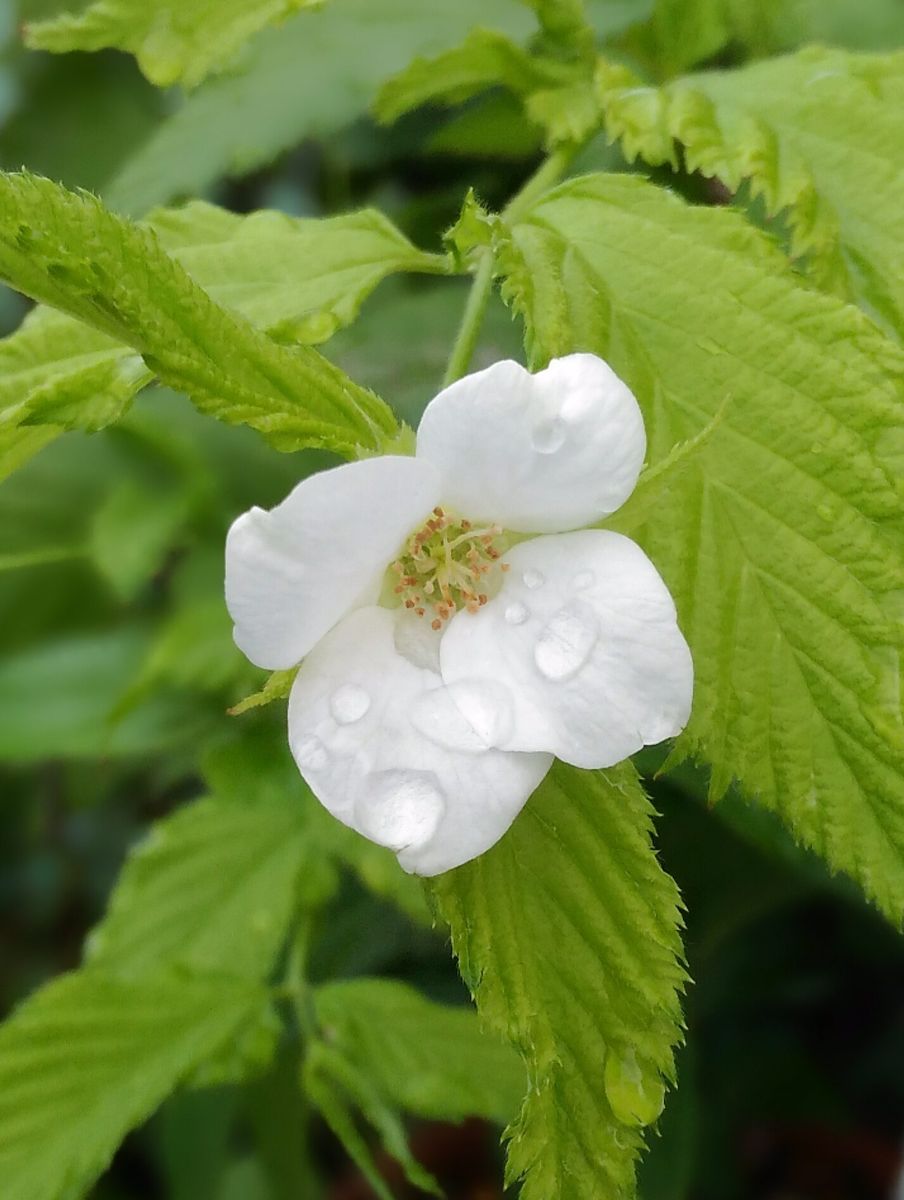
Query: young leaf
(88,1057)
(431,1060)
(781,543)
(210,889)
(175,41)
(819,135)
(484,60)
(116,277)
(241,121)
(567,933)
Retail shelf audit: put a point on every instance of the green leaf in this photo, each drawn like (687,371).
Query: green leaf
(430,1060)
(298,278)
(132,533)
(347,1083)
(484,60)
(173,40)
(331,1100)
(781,542)
(116,277)
(59,700)
(567,933)
(89,1057)
(241,122)
(818,135)
(210,889)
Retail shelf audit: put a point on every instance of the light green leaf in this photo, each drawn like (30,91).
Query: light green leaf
(567,933)
(484,60)
(351,1085)
(818,135)
(780,543)
(173,40)
(333,1105)
(116,277)
(241,121)
(430,1060)
(89,1057)
(59,698)
(132,532)
(210,889)
(300,279)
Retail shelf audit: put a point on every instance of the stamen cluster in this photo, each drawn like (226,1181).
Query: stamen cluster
(447,565)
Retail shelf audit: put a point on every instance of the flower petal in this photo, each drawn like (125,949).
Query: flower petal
(293,572)
(393,753)
(584,635)
(536,453)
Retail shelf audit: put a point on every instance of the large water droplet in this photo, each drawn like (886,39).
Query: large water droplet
(636,1096)
(549,436)
(400,808)
(584,579)
(517,613)
(349,703)
(311,754)
(565,642)
(472,715)
(532,578)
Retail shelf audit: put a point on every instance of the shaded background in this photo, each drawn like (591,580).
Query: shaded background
(117,664)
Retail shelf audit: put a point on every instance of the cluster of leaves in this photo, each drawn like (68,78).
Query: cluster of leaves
(764,342)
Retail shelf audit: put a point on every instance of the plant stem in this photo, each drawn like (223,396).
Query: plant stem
(546,176)
(472,318)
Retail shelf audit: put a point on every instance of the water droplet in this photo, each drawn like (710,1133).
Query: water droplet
(825,511)
(566,641)
(349,704)
(400,808)
(636,1096)
(816,448)
(471,715)
(583,579)
(517,613)
(311,754)
(549,436)
(533,578)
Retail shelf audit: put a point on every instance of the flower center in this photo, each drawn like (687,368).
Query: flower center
(448,565)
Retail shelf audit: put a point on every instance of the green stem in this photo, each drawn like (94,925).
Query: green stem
(472,318)
(546,176)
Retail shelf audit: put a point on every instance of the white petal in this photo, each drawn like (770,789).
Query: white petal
(584,635)
(293,572)
(396,755)
(536,453)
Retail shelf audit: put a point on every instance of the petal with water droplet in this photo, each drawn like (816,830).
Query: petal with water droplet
(404,760)
(536,453)
(598,668)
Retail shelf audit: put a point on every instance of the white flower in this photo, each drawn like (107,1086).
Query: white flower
(448,654)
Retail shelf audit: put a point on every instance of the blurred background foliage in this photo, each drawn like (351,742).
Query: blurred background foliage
(118,667)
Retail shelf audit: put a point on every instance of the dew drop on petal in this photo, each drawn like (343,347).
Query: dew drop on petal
(311,754)
(566,641)
(549,436)
(349,703)
(583,579)
(635,1099)
(470,715)
(400,808)
(532,578)
(517,613)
